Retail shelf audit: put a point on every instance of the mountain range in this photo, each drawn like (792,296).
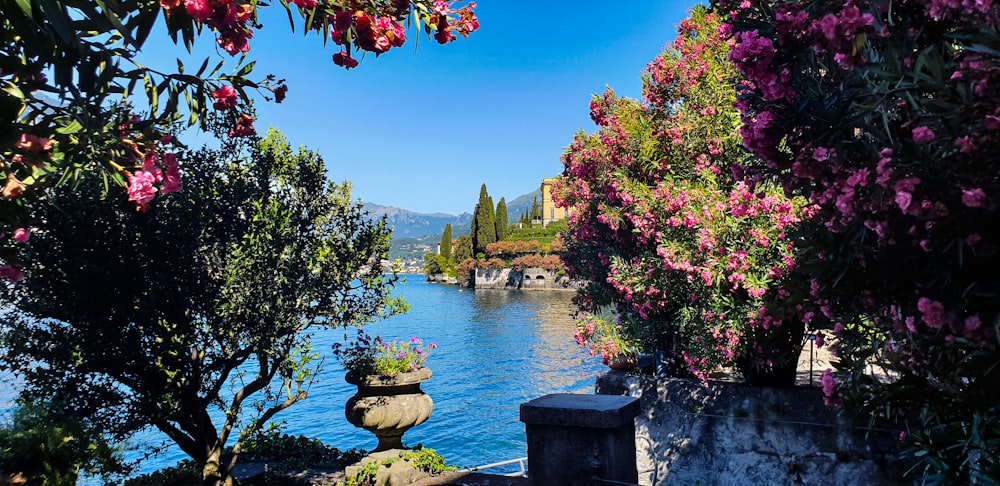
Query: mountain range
(409,224)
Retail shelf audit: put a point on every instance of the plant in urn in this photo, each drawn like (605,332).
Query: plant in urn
(389,400)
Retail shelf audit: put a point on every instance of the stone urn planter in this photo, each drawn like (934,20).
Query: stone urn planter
(388,406)
(623,362)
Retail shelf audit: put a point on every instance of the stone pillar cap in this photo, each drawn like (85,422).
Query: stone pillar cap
(580,410)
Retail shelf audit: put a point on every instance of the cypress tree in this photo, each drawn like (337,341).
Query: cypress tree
(501,220)
(484,228)
(475,230)
(446,243)
(536,210)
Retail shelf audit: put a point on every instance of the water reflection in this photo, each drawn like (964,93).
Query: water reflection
(497,349)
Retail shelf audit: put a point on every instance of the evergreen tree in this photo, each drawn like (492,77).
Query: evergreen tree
(446,243)
(536,210)
(484,229)
(475,229)
(463,248)
(501,220)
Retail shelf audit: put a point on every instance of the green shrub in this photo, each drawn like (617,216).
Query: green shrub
(47,448)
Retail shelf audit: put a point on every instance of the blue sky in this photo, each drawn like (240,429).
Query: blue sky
(423,127)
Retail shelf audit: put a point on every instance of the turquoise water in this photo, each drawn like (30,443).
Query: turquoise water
(497,349)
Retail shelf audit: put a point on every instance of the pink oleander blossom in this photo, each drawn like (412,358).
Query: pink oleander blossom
(225,98)
(172,178)
(923,134)
(975,198)
(200,10)
(11,273)
(830,389)
(21,235)
(142,188)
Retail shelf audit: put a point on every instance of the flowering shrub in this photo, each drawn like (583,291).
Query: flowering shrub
(492,263)
(605,336)
(885,115)
(466,269)
(660,227)
(371,356)
(526,261)
(514,247)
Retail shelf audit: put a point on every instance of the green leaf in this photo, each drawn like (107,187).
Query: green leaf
(246,69)
(217,68)
(25,7)
(201,70)
(112,16)
(13,90)
(73,127)
(57,18)
(151,92)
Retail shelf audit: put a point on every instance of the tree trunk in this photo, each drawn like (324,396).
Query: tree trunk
(215,473)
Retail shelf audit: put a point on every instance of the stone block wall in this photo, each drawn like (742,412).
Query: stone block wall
(723,433)
(509,279)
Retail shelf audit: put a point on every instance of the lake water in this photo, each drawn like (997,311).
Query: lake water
(497,349)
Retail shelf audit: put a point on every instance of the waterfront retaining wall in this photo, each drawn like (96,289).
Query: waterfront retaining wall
(724,433)
(527,279)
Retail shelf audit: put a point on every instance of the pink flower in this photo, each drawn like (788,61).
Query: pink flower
(11,273)
(933,312)
(822,154)
(344,59)
(903,200)
(975,198)
(244,127)
(141,187)
(225,98)
(829,388)
(965,144)
(21,235)
(923,134)
(200,10)
(306,4)
(382,44)
(172,180)
(279,93)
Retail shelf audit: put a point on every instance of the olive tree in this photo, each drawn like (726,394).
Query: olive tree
(196,318)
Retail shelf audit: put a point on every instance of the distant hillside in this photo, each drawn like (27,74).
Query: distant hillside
(522,204)
(417,233)
(407,223)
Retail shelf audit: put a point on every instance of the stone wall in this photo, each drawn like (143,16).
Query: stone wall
(509,279)
(441,278)
(725,433)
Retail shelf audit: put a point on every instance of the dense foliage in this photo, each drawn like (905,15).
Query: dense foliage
(69,75)
(484,229)
(446,243)
(196,318)
(885,115)
(38,447)
(662,229)
(501,223)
